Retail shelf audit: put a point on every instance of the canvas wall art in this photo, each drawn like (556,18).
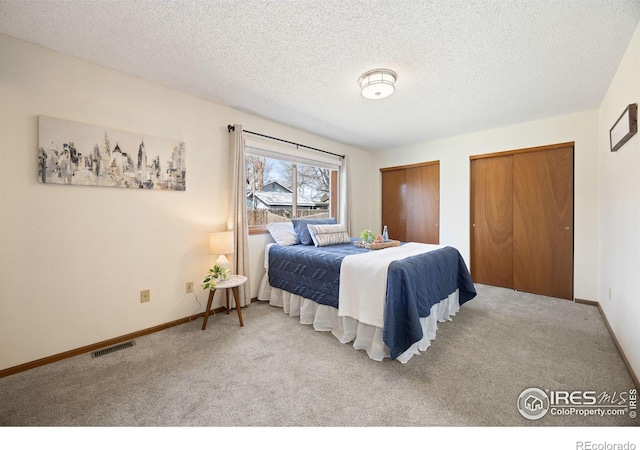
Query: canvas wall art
(77,153)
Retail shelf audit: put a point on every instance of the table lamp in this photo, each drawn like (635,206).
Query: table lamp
(221,244)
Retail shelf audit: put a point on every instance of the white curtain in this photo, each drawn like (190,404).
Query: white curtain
(238,219)
(345,194)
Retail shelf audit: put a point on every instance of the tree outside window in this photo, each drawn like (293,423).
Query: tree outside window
(279,190)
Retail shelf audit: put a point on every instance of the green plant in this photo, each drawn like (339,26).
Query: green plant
(216,273)
(364,235)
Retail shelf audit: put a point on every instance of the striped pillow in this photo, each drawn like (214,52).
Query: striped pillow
(323,235)
(300,227)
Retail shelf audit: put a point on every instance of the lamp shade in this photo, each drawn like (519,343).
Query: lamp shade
(221,243)
(378,83)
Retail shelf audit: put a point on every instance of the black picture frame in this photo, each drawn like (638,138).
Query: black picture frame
(624,128)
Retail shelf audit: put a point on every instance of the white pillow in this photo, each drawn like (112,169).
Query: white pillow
(283,233)
(323,235)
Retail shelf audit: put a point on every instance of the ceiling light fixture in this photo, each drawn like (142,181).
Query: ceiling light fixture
(378,83)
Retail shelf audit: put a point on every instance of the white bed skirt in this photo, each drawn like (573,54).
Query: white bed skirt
(346,329)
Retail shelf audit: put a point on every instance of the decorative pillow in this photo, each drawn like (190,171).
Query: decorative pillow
(283,233)
(300,225)
(323,235)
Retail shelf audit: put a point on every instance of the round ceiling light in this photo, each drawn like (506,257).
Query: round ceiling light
(378,83)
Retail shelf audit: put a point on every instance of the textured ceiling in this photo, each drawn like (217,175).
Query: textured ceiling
(462,66)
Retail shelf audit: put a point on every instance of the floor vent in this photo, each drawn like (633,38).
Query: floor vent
(113,348)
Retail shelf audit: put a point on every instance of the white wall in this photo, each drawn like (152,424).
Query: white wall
(453,153)
(74,258)
(620,210)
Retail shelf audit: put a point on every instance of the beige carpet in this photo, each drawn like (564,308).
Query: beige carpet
(275,372)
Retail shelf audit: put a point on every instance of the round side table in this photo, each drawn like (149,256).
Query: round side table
(232,282)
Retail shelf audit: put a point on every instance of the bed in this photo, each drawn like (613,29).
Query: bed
(387,302)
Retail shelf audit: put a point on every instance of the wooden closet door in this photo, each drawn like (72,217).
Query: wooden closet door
(394,197)
(423,204)
(543,222)
(492,221)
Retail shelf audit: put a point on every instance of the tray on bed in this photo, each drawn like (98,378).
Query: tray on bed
(376,245)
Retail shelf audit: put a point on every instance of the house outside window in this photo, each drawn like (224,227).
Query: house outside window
(284,186)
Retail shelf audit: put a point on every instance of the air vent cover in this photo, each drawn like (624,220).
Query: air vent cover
(113,348)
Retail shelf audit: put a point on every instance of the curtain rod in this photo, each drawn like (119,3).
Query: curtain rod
(232,128)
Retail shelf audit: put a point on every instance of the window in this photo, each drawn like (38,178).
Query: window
(284,186)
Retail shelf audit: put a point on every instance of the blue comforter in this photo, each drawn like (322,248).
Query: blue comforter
(414,284)
(309,271)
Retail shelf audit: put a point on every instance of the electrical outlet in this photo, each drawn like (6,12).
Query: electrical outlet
(145,296)
(189,287)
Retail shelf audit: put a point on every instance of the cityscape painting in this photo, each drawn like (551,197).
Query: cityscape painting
(76,153)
